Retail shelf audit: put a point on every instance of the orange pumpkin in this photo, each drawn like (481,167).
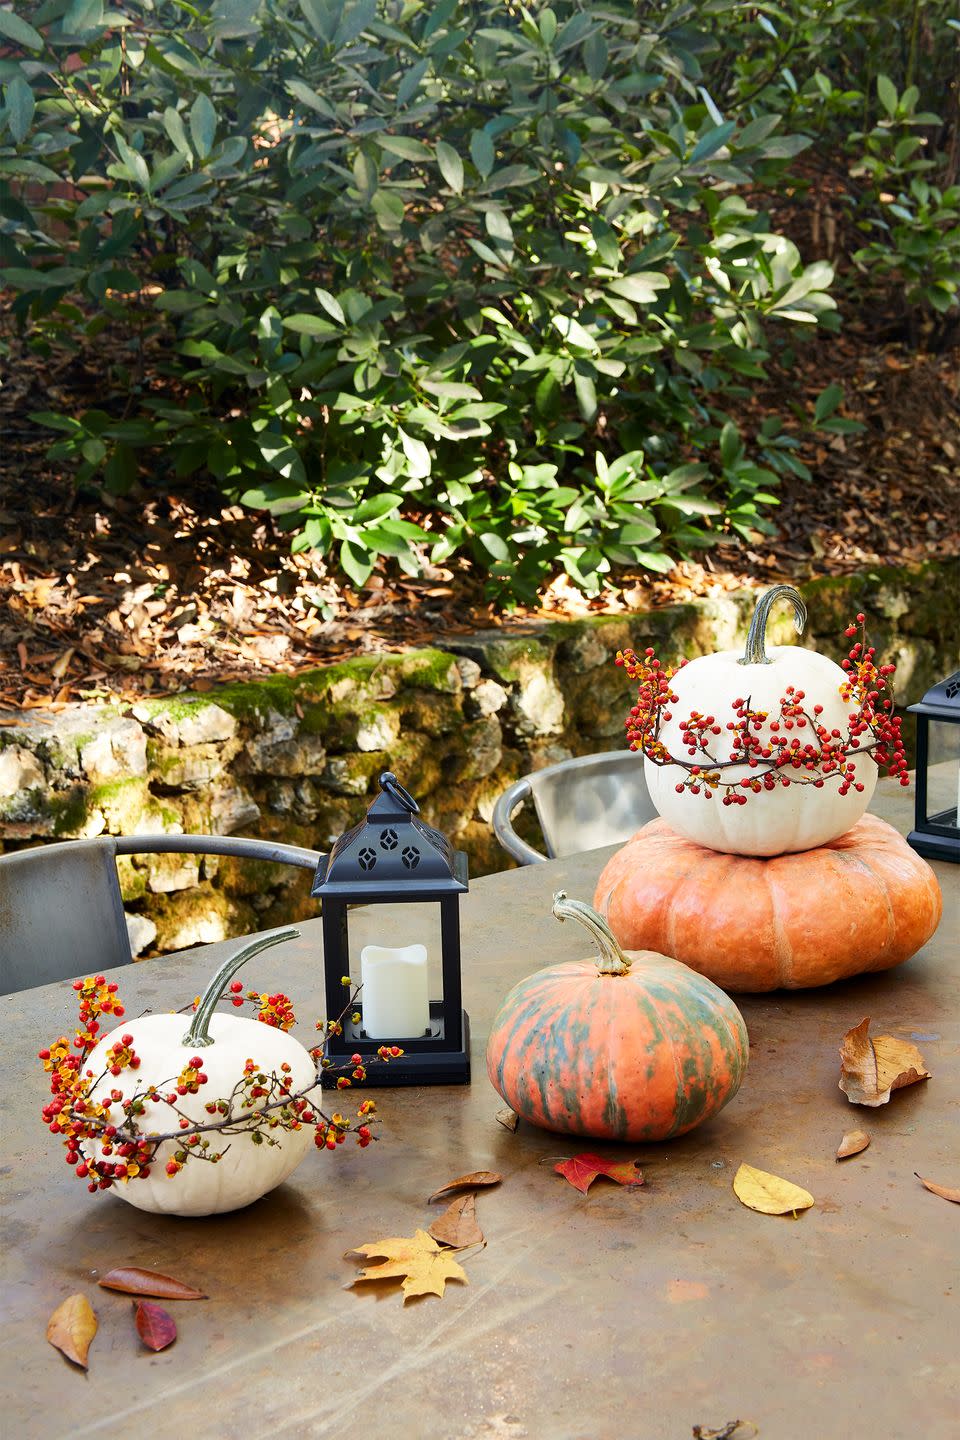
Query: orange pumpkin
(864,902)
(619,1047)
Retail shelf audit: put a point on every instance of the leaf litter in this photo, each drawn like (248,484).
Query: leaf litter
(946,1192)
(71,1328)
(872,1067)
(155,1326)
(132,1281)
(423,1266)
(581,1171)
(852,1143)
(769,1194)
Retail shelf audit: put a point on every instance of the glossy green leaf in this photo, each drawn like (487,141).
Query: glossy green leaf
(482,152)
(203,125)
(451,166)
(19,101)
(20,31)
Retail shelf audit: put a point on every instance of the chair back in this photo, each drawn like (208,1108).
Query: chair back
(61,914)
(591,801)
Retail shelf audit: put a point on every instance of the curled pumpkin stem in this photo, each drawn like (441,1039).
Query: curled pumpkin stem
(611,960)
(755,652)
(199,1033)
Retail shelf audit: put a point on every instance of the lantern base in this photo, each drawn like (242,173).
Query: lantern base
(935,847)
(428,1061)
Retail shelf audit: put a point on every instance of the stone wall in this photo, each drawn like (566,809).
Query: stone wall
(293,757)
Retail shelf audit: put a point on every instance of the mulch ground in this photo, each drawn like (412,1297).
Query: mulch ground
(156,593)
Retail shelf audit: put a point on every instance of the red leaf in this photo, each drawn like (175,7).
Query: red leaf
(133,1281)
(582,1170)
(154,1326)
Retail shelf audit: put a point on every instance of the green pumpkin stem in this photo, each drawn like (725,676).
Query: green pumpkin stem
(199,1033)
(755,652)
(610,958)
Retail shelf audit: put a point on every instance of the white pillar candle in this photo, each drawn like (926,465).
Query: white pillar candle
(395,995)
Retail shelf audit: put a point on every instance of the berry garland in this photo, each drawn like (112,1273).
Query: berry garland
(259,1103)
(771,747)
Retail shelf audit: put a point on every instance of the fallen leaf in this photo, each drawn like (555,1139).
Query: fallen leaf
(733,1430)
(148,1282)
(154,1326)
(582,1170)
(871,1069)
(418,1260)
(71,1328)
(759,1190)
(508,1118)
(458,1226)
(852,1143)
(475,1181)
(946,1192)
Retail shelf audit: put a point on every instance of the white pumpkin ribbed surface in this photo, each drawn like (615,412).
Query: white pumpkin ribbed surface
(788,818)
(246,1170)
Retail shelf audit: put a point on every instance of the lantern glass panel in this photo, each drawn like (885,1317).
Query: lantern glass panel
(395,928)
(943,773)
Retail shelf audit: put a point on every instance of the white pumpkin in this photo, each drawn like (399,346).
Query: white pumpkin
(787,818)
(165,1044)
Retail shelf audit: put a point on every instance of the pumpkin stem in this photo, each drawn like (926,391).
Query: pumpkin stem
(610,960)
(199,1033)
(755,653)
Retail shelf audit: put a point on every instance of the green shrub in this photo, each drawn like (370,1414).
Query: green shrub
(421,280)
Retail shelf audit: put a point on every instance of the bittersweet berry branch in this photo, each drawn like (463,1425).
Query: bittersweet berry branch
(774,749)
(268,1101)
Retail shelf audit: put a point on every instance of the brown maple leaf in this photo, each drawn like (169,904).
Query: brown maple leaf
(417,1260)
(581,1171)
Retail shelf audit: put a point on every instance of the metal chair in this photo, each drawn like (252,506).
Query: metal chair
(61,914)
(581,804)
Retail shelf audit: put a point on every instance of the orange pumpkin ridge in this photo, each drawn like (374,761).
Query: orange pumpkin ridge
(643,1053)
(864,902)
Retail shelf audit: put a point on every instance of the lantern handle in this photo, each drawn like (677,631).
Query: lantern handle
(390,783)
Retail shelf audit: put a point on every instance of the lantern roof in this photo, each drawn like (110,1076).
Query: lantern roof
(391,855)
(942,701)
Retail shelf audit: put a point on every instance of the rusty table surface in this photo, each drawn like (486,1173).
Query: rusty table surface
(629,1313)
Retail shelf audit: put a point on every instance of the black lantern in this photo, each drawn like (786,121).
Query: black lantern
(936,833)
(394,857)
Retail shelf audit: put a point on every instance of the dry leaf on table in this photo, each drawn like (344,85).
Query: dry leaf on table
(871,1069)
(417,1260)
(133,1281)
(458,1226)
(852,1143)
(476,1180)
(946,1192)
(154,1326)
(769,1194)
(71,1328)
(508,1118)
(582,1170)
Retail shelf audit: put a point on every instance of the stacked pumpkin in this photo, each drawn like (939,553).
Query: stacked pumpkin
(764,869)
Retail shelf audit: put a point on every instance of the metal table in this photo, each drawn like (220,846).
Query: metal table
(636,1313)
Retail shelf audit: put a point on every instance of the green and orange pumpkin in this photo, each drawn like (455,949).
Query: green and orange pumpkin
(622,1046)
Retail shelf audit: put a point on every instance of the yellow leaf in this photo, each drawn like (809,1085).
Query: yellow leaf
(767,1193)
(71,1328)
(871,1069)
(418,1260)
